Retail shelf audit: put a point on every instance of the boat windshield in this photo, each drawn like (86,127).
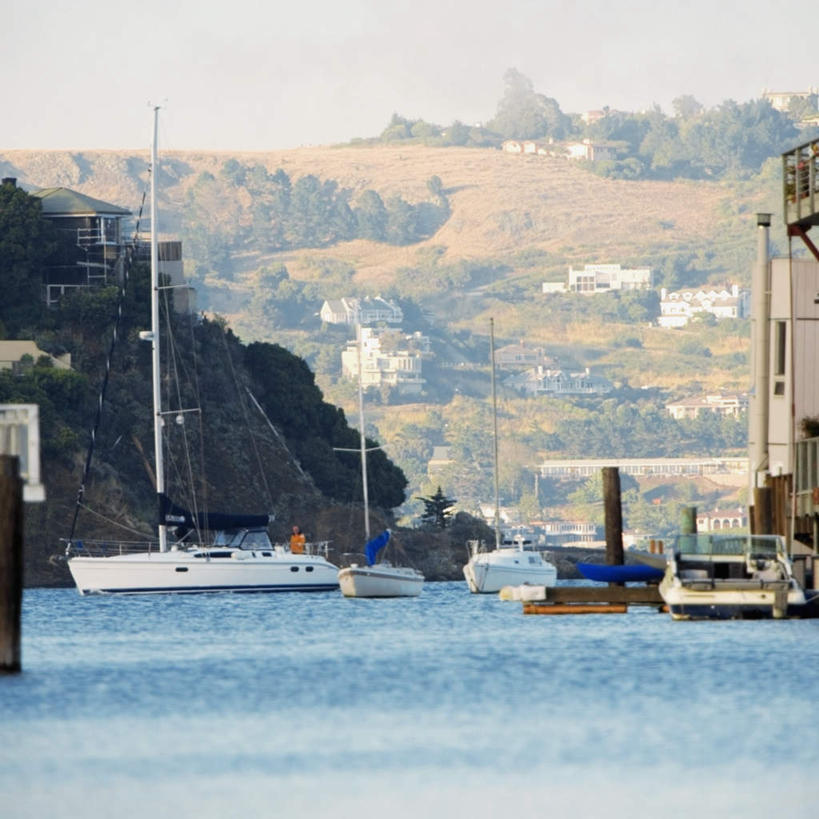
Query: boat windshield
(712,544)
(243,539)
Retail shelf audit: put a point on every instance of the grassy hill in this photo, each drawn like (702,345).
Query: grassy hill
(515,221)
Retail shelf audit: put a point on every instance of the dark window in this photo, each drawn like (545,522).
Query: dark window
(294,568)
(780,348)
(182,568)
(309,569)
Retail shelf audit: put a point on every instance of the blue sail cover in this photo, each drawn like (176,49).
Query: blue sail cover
(375,546)
(172,515)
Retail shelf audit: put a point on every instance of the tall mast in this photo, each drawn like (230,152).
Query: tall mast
(362,435)
(155,363)
(495,430)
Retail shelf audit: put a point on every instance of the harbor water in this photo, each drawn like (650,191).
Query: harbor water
(448,704)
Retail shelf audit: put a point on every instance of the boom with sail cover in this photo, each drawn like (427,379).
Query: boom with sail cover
(374,546)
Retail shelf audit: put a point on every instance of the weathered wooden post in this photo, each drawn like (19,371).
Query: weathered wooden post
(688,520)
(763,511)
(11,562)
(614,516)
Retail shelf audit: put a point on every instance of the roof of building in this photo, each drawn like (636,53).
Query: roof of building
(65,202)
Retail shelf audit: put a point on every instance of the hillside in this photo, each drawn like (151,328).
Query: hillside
(513,222)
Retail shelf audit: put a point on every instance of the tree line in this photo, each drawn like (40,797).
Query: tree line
(247,205)
(694,142)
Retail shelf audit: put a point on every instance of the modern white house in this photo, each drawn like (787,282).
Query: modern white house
(399,368)
(678,307)
(544,381)
(603,278)
(721,403)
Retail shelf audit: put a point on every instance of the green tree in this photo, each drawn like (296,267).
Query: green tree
(524,114)
(438,510)
(26,241)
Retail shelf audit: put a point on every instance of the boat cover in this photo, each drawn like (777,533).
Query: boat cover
(172,515)
(374,546)
(628,573)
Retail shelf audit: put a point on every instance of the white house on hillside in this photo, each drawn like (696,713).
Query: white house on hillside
(397,368)
(602,278)
(360,311)
(543,381)
(721,403)
(678,307)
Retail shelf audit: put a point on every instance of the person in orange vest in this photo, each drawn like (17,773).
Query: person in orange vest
(297,541)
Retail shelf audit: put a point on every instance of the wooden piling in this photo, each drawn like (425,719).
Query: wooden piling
(614,516)
(763,522)
(11,562)
(688,520)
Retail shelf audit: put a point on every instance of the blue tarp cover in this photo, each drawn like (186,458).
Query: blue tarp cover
(375,546)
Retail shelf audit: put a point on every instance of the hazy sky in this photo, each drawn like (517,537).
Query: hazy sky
(247,75)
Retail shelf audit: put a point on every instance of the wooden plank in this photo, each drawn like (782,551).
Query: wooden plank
(635,595)
(575,608)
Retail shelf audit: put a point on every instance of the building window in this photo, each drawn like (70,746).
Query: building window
(780,348)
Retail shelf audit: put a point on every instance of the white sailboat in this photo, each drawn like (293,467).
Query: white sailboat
(508,564)
(238,558)
(375,579)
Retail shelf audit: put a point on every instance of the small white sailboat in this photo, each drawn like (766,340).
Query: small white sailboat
(239,557)
(507,564)
(375,579)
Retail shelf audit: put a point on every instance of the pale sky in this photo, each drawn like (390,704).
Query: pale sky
(248,75)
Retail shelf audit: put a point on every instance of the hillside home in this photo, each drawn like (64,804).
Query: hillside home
(677,308)
(441,459)
(519,356)
(728,404)
(603,278)
(590,151)
(90,240)
(542,381)
(92,246)
(399,369)
(781,100)
(722,519)
(360,311)
(12,353)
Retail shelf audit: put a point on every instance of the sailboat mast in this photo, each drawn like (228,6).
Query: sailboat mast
(155,362)
(362,435)
(495,431)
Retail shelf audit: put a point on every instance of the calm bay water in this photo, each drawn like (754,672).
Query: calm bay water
(314,705)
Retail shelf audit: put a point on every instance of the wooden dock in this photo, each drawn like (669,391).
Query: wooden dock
(594,600)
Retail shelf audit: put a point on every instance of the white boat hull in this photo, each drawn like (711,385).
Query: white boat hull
(713,576)
(183,572)
(489,572)
(380,581)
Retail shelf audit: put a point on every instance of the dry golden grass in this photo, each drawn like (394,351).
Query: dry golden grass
(501,203)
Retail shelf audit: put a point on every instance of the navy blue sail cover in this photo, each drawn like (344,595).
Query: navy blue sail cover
(374,546)
(172,515)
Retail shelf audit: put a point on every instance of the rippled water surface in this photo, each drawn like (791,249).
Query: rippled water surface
(448,704)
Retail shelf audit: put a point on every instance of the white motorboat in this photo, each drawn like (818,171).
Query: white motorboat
(240,558)
(375,579)
(506,565)
(719,576)
(510,563)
